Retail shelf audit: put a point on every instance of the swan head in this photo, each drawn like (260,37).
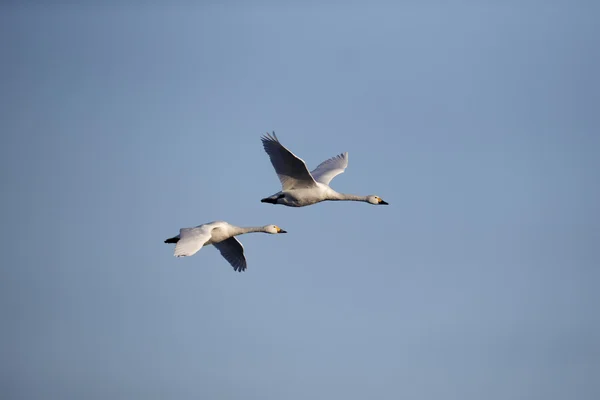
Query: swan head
(376,200)
(273,229)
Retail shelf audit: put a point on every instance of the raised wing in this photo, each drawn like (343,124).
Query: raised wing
(331,168)
(290,169)
(233,251)
(192,239)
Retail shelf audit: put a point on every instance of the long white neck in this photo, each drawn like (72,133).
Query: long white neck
(335,196)
(238,230)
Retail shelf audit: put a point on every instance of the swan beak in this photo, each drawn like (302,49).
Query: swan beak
(281,231)
(385,203)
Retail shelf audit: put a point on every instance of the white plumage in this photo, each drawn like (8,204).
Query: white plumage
(220,234)
(299,186)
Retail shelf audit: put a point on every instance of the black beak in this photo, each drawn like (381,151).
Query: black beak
(282,231)
(385,203)
(268,200)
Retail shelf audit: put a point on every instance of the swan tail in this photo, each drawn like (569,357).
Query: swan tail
(174,239)
(273,199)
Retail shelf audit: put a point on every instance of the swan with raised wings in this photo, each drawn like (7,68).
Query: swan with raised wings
(302,188)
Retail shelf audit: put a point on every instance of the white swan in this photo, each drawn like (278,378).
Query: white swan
(220,234)
(301,187)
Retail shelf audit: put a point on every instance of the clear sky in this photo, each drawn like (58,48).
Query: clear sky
(477,122)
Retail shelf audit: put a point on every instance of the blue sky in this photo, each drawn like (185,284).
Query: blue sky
(477,123)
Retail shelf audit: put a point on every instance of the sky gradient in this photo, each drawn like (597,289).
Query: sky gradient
(477,123)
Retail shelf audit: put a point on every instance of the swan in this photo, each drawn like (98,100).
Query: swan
(301,187)
(221,235)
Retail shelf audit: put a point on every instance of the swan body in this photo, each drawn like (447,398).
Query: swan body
(302,188)
(220,234)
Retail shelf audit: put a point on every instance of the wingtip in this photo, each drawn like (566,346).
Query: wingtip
(240,268)
(269,137)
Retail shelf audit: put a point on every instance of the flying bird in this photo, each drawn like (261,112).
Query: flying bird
(221,235)
(302,188)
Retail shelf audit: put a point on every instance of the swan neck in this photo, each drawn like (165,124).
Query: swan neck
(248,229)
(349,197)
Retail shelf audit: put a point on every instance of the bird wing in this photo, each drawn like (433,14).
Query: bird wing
(192,239)
(232,250)
(331,168)
(290,169)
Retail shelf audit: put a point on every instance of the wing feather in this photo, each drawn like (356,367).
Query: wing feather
(330,168)
(290,169)
(232,250)
(191,240)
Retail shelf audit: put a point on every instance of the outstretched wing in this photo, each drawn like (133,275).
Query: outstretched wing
(290,169)
(331,168)
(192,239)
(233,251)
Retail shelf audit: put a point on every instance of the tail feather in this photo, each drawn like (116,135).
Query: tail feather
(174,239)
(273,199)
